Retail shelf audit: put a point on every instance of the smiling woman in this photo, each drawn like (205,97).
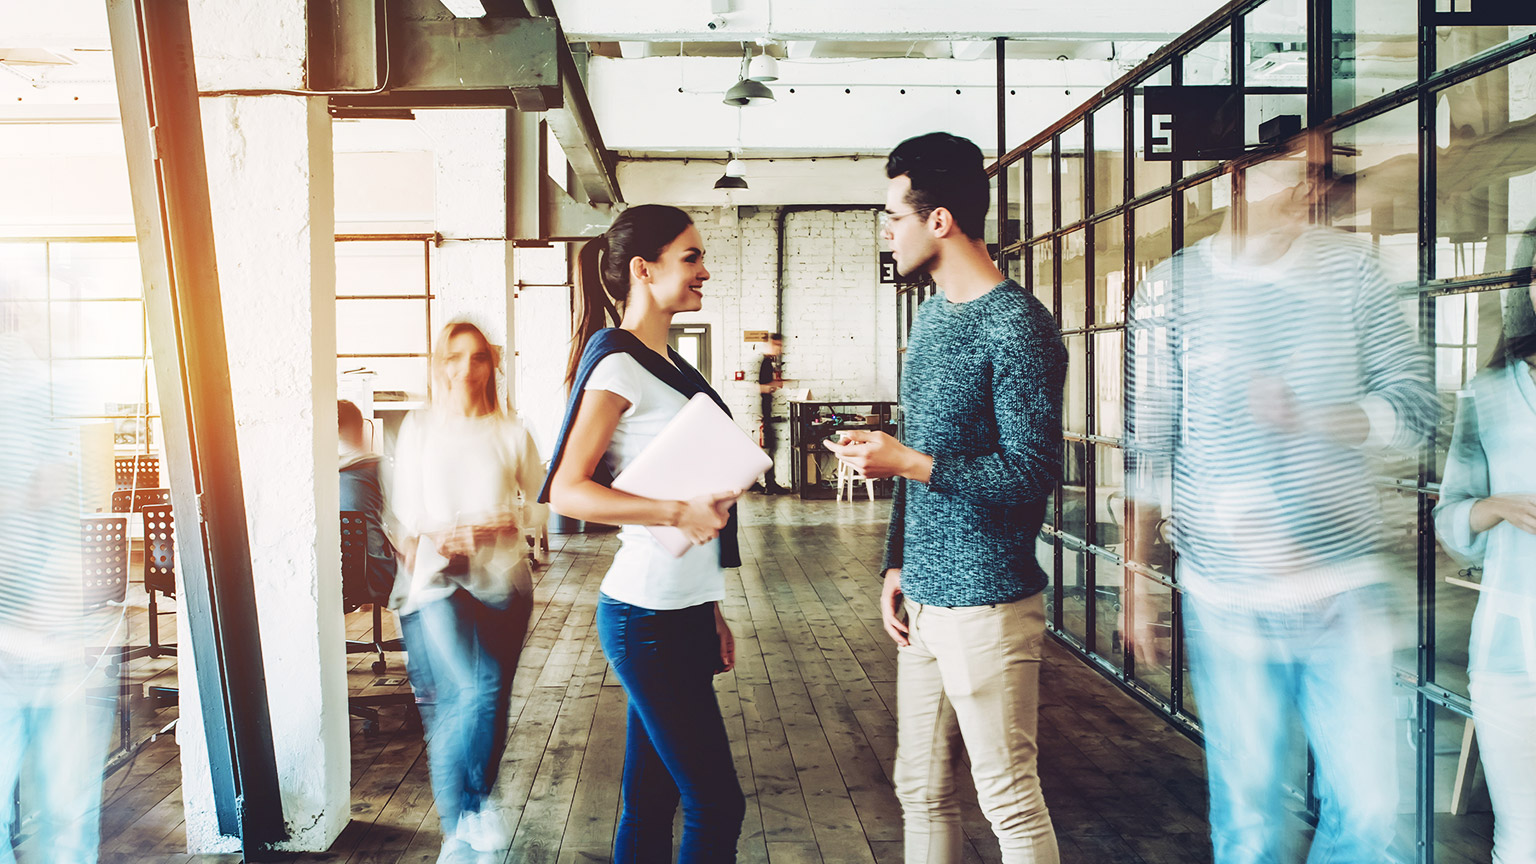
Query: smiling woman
(658,616)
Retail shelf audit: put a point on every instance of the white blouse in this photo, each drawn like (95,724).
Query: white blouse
(452,470)
(1491,455)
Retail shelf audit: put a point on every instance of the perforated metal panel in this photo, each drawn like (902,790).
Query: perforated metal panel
(104,559)
(135,500)
(354,557)
(159,549)
(137,472)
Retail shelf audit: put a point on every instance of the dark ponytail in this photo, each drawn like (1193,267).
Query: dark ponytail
(602,270)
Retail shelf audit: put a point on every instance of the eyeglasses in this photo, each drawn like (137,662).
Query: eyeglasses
(887,218)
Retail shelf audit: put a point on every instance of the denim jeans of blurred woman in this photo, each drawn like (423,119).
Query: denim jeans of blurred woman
(677,750)
(461,658)
(55,722)
(1255,674)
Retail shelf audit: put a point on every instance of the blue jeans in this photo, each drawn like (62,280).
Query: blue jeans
(461,658)
(1331,667)
(676,747)
(50,717)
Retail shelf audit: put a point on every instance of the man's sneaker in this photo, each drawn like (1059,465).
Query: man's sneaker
(485,831)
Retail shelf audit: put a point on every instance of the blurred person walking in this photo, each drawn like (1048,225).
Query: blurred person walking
(464,492)
(56,698)
(1262,371)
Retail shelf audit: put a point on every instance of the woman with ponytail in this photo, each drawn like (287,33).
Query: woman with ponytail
(658,617)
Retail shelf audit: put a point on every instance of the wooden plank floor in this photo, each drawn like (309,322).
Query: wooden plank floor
(810,710)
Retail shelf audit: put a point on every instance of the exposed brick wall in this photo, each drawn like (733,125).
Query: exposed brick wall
(839,321)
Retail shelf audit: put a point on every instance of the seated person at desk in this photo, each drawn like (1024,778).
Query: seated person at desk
(361,493)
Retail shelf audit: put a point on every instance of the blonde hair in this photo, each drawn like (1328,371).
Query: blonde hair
(490,403)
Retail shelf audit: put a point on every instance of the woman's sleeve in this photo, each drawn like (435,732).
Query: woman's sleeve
(1465,483)
(619,374)
(405,484)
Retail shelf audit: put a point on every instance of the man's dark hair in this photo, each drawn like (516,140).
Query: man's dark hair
(946,171)
(775,337)
(347,415)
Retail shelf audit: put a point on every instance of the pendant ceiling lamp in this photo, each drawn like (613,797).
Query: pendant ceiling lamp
(734,176)
(748,89)
(763,68)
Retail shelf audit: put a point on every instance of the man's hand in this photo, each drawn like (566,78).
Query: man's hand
(877,456)
(890,607)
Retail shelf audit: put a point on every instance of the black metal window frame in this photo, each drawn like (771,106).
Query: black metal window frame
(1016,257)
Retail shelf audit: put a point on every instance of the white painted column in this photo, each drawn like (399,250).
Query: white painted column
(272,191)
(472,267)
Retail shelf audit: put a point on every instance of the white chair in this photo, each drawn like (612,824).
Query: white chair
(847,477)
(538,543)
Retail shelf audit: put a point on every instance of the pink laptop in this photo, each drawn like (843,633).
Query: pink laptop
(701,451)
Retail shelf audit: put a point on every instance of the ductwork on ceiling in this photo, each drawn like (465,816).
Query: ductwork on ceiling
(394,55)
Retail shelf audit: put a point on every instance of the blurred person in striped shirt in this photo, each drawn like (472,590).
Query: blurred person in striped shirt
(56,699)
(1266,367)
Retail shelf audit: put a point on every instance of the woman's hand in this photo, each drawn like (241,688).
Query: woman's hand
(701,518)
(727,643)
(1517,510)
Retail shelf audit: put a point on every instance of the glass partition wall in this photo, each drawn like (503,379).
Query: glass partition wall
(1421,140)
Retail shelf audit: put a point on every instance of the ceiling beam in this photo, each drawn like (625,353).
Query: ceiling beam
(917,20)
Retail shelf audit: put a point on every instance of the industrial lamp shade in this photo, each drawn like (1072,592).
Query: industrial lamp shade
(726,181)
(763,68)
(748,92)
(735,168)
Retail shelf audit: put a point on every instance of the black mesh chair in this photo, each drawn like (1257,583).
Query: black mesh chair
(354,593)
(104,560)
(135,500)
(137,472)
(159,574)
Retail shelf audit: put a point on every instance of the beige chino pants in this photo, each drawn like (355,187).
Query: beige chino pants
(971,679)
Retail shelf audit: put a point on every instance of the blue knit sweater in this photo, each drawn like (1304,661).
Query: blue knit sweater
(981,394)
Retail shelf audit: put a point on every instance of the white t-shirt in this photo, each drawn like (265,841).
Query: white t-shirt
(644,573)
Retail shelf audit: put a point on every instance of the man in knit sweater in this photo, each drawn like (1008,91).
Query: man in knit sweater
(981,401)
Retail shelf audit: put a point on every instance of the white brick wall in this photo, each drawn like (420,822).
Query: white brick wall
(839,321)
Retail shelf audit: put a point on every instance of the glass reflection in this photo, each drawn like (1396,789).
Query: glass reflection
(1074,280)
(1376,166)
(1042,216)
(1375,49)
(1109,156)
(1073,175)
(1485,170)
(1109,290)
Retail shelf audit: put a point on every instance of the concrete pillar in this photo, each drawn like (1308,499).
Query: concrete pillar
(472,267)
(272,190)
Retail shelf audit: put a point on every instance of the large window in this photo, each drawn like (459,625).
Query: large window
(83,303)
(384,314)
(1377,128)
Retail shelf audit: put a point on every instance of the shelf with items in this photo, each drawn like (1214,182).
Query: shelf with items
(813,467)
